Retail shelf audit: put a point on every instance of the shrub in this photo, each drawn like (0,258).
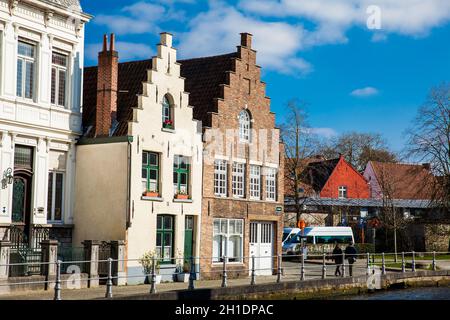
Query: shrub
(365,247)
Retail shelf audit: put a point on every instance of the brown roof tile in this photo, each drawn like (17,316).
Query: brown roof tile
(131,76)
(406,181)
(203,79)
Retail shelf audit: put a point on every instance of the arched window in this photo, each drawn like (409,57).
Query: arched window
(244,126)
(167,113)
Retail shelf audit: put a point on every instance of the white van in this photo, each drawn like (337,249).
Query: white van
(329,235)
(319,236)
(288,233)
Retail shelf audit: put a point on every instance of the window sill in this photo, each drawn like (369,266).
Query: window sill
(183,200)
(168,130)
(158,199)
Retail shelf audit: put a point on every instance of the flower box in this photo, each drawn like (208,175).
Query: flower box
(182,196)
(168,124)
(151,194)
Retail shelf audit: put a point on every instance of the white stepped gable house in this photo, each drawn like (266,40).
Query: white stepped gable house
(139,164)
(41,62)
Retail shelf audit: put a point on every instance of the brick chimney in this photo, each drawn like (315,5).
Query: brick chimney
(246,40)
(107,87)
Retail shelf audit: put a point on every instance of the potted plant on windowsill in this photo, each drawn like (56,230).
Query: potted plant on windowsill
(147,263)
(182,195)
(168,124)
(151,194)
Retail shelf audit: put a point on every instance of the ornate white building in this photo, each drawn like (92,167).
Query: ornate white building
(41,62)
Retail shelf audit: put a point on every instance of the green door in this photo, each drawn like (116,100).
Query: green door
(188,238)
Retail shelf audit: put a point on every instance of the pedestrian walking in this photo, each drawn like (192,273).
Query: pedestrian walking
(338,261)
(350,254)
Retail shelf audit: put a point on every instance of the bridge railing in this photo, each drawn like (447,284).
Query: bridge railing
(215,272)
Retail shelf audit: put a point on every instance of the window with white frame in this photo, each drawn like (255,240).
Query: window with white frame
(228,240)
(342,190)
(271,184)
(255,182)
(238,180)
(56,180)
(244,126)
(25,69)
(59,79)
(220,178)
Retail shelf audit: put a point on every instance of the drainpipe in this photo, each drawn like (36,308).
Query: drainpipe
(128,206)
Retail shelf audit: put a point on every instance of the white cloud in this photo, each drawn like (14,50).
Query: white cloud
(127,51)
(323,132)
(140,17)
(277,25)
(217,31)
(334,17)
(364,92)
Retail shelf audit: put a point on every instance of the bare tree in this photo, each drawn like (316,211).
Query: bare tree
(429,141)
(393,217)
(359,148)
(300,143)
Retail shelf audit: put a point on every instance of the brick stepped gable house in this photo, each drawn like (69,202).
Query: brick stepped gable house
(410,186)
(139,166)
(41,62)
(326,186)
(242,191)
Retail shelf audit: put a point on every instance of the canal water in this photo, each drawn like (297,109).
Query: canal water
(435,293)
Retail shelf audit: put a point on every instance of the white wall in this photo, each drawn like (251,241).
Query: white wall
(36,122)
(149,136)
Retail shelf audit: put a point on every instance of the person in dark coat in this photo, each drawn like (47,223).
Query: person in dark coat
(337,257)
(350,254)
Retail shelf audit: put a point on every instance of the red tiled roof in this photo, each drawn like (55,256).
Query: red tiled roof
(131,76)
(407,181)
(203,79)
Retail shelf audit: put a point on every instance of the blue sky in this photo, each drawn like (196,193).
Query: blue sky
(352,76)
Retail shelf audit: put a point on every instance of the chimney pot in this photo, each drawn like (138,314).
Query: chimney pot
(105,43)
(246,40)
(112,45)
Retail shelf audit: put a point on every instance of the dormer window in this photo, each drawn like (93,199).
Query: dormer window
(244,126)
(167,113)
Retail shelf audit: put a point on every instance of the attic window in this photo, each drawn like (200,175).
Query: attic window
(167,113)
(244,126)
(342,192)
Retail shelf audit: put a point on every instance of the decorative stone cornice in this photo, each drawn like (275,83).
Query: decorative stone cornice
(12,5)
(48,15)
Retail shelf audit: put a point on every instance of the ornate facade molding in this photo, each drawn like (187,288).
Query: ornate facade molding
(12,5)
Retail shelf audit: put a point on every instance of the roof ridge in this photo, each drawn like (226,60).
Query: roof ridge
(210,57)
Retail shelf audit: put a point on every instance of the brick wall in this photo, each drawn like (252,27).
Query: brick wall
(345,175)
(243,90)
